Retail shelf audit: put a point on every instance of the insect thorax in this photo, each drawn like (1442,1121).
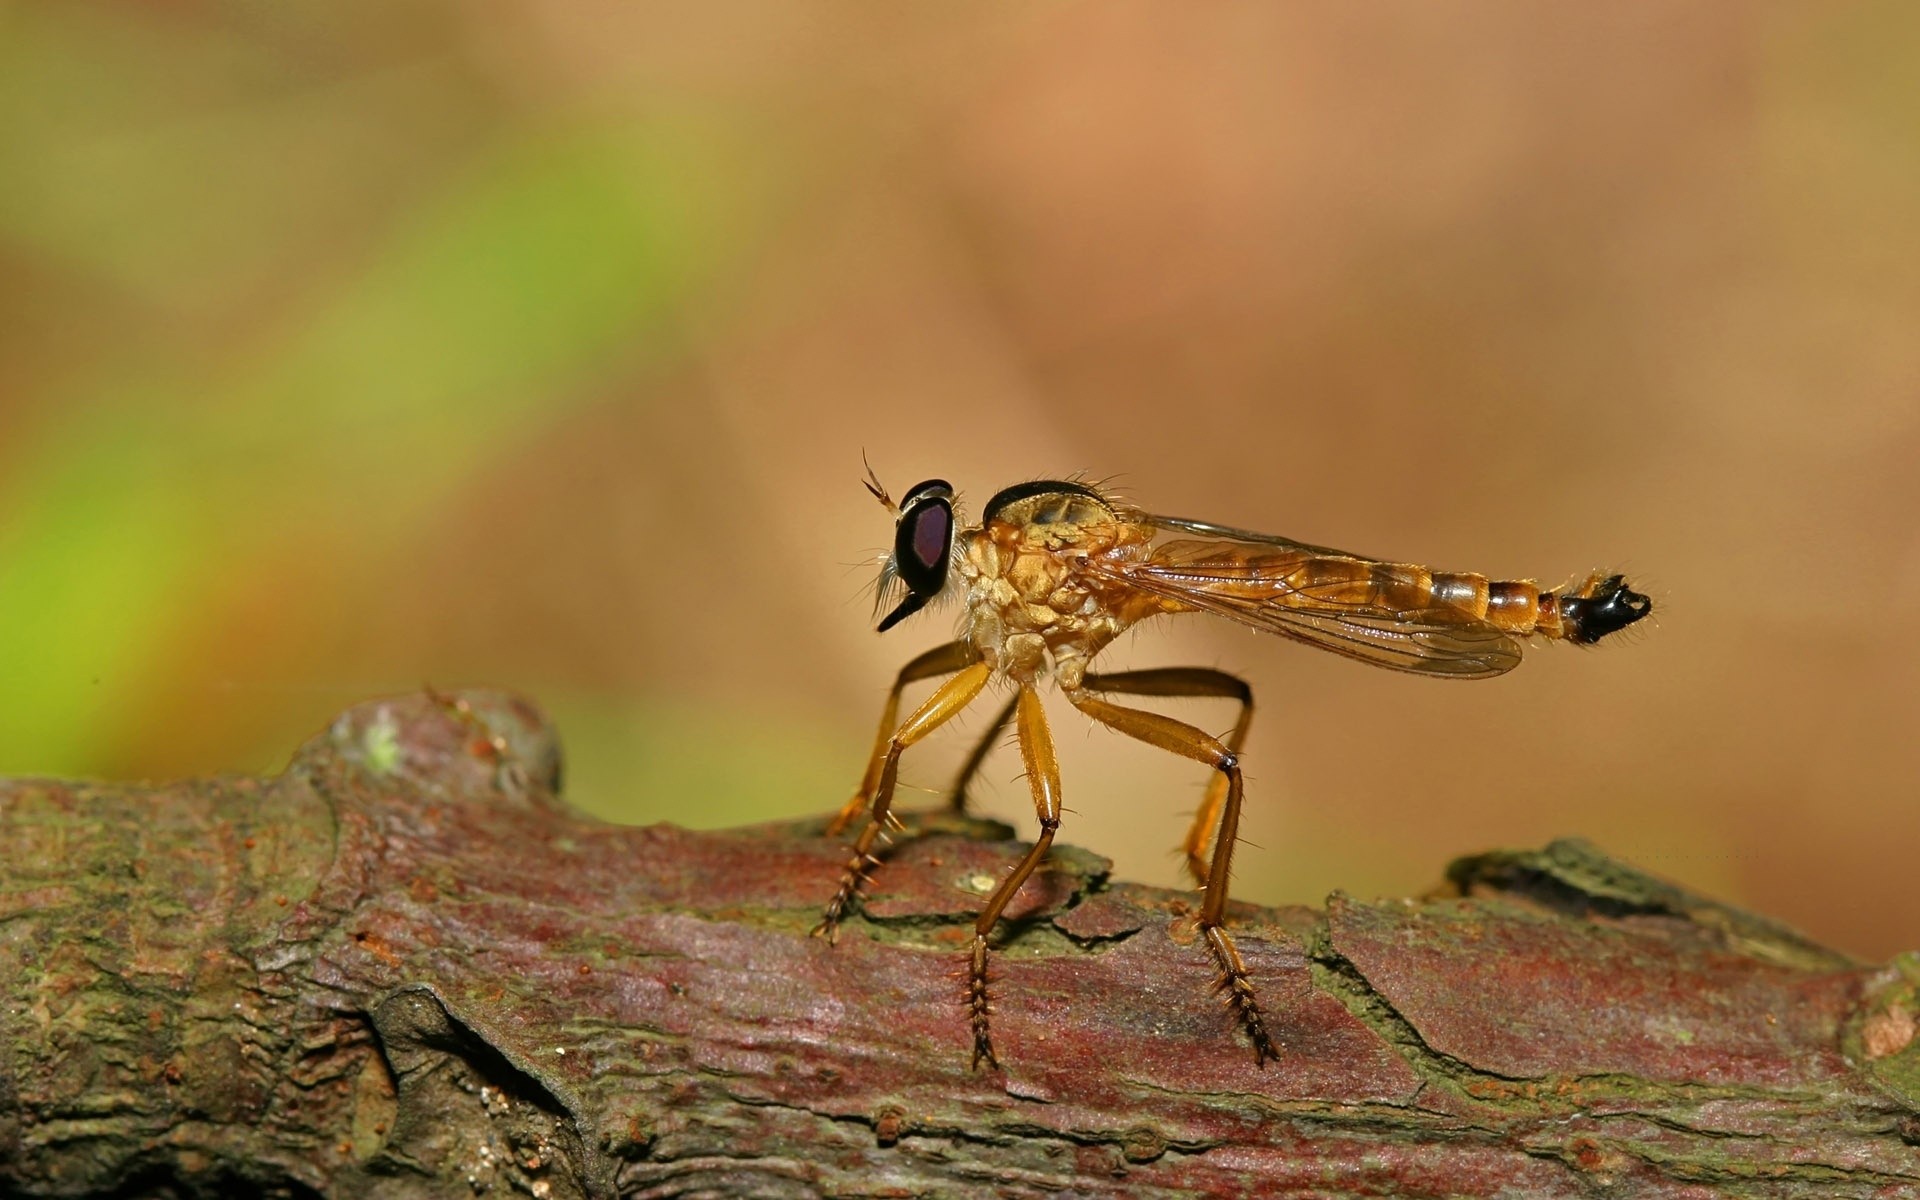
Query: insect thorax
(1030,602)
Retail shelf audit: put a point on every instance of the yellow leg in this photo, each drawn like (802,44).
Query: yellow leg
(1043,776)
(1191,681)
(945,703)
(1197,744)
(957,797)
(941,660)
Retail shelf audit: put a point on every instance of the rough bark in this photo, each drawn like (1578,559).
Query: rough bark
(403,968)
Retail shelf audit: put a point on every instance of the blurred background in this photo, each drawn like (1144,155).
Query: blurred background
(348,345)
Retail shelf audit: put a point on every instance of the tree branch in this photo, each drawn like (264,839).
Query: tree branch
(403,968)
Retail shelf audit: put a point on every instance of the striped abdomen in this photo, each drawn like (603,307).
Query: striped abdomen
(1597,607)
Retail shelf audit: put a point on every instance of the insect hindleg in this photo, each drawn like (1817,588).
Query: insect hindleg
(1043,776)
(939,708)
(1190,681)
(1185,740)
(941,660)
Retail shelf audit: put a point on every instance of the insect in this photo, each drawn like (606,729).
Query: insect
(1056,570)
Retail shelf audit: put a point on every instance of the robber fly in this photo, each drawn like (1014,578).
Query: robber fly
(1056,570)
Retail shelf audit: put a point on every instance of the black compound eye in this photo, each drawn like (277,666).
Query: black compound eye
(932,533)
(921,543)
(926,489)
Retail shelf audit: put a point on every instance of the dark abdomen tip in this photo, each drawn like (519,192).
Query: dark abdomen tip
(1612,607)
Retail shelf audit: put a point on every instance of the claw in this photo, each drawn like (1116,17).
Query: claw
(982,1048)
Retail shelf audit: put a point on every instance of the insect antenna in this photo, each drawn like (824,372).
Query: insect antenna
(872,484)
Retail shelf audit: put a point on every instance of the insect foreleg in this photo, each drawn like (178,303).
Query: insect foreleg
(1190,681)
(1043,776)
(1189,742)
(939,708)
(941,660)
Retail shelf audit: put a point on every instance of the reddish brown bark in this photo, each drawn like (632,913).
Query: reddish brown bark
(403,968)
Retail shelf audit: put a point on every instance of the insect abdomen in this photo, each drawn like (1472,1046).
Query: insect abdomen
(1598,607)
(1585,614)
(1513,605)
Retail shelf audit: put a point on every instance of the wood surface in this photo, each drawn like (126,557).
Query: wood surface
(404,968)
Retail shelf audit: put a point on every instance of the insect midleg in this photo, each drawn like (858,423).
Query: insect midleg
(941,660)
(1190,681)
(1043,776)
(1189,742)
(945,703)
(957,797)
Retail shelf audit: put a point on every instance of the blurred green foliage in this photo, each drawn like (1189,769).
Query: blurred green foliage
(351,345)
(261,347)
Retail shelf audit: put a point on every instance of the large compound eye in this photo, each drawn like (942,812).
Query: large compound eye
(922,543)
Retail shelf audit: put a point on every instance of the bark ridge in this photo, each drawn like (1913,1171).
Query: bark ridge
(404,968)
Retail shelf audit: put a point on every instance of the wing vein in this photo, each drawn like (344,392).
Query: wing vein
(1268,584)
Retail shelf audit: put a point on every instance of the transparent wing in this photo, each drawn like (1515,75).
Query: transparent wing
(1321,597)
(1227,533)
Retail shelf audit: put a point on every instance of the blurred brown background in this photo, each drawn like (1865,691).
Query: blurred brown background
(350,345)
